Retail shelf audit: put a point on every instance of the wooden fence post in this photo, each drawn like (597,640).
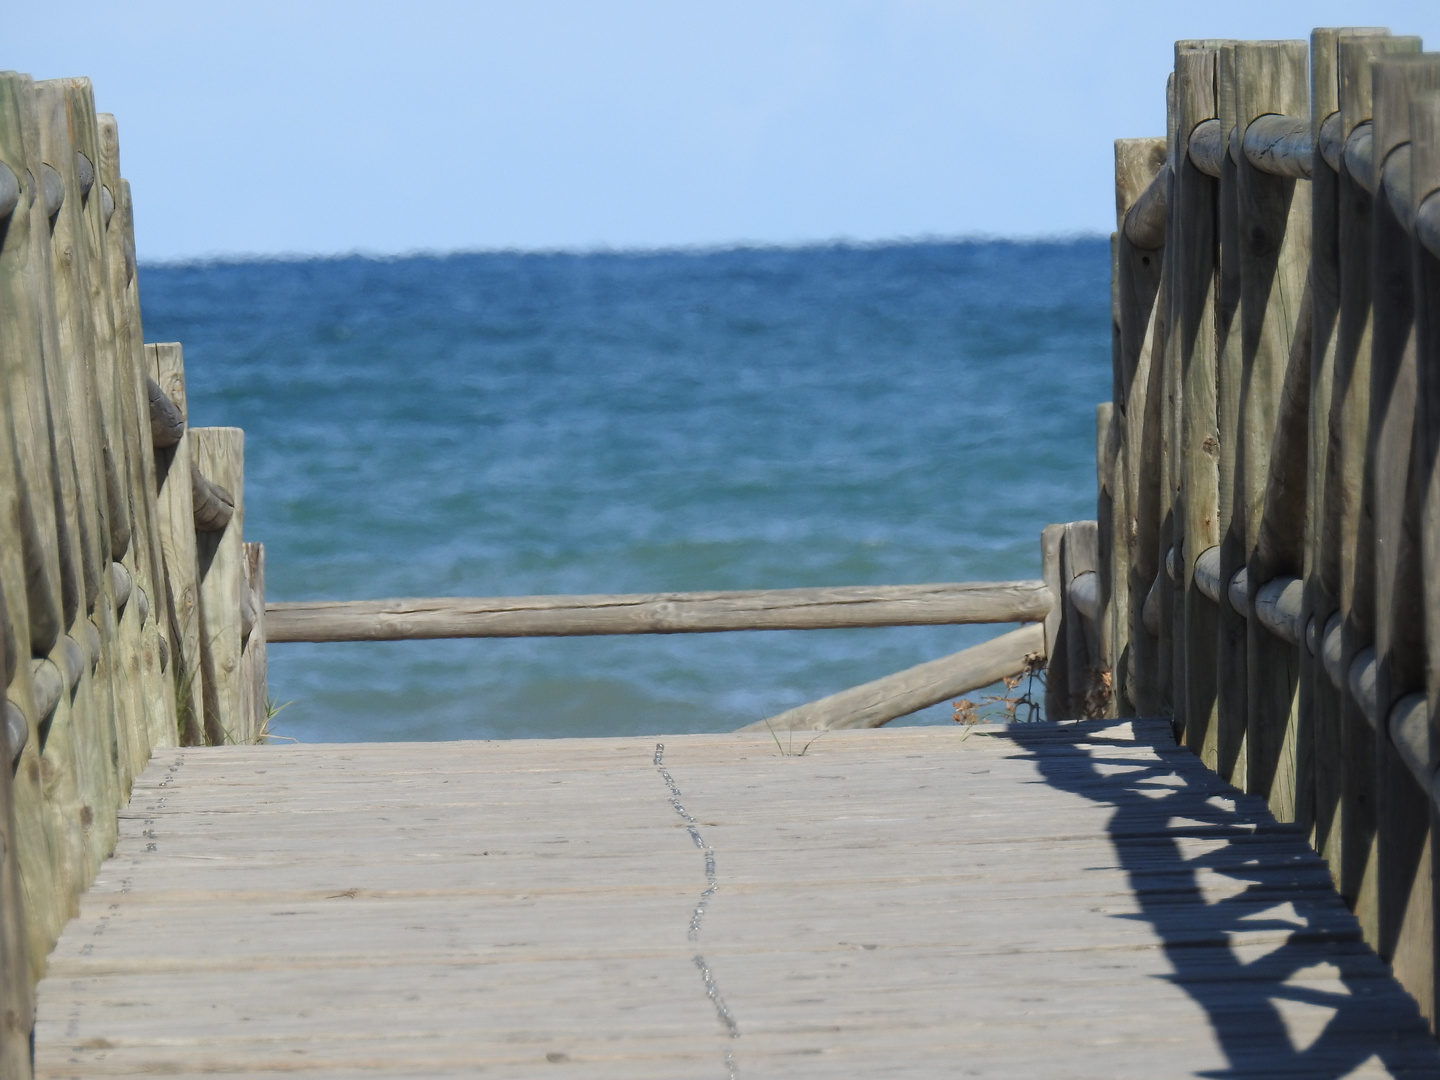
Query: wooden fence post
(1192,235)
(1138,162)
(1403,806)
(1348,482)
(1320,699)
(220,454)
(173,466)
(1231,738)
(1425,172)
(1107,449)
(1273,218)
(254,692)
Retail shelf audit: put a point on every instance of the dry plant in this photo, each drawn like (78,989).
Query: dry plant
(1095,704)
(1007,708)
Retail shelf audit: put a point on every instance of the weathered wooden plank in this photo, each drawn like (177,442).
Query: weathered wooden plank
(658,613)
(1036,900)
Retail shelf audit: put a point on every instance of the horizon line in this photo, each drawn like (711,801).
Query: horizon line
(639,251)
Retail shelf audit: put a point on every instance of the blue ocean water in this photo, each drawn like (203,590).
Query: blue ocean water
(510,423)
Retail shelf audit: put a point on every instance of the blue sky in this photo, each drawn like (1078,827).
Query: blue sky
(313,126)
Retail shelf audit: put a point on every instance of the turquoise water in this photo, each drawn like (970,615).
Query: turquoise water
(490,424)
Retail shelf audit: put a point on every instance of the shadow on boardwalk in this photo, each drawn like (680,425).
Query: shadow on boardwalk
(1210,867)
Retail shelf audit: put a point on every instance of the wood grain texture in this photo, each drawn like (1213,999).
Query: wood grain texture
(879,701)
(220,453)
(1231,737)
(1348,483)
(1140,319)
(1425,163)
(1196,241)
(1319,696)
(174,465)
(1107,474)
(1273,217)
(254,685)
(1045,900)
(1403,806)
(658,613)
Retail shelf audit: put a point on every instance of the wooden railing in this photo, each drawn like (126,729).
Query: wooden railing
(124,581)
(1270,515)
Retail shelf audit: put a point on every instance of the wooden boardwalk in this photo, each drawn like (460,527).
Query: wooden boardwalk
(1078,900)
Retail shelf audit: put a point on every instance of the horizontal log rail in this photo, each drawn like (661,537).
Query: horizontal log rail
(214,506)
(1280,145)
(658,613)
(1279,608)
(875,703)
(167,422)
(1283,146)
(1145,221)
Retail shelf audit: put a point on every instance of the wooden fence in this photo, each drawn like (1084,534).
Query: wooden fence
(1269,568)
(124,582)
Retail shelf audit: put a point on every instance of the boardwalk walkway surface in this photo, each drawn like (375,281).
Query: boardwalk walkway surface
(1078,900)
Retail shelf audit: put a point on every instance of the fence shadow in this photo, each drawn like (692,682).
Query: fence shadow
(1210,906)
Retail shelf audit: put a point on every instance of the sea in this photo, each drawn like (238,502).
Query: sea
(513,423)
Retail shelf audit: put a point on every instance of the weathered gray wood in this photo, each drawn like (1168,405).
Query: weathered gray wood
(1107,473)
(213,505)
(1331,651)
(508,906)
(1206,146)
(1085,594)
(1089,689)
(1279,608)
(1207,573)
(254,687)
(220,453)
(1359,155)
(1192,297)
(658,613)
(1274,220)
(1319,698)
(145,558)
(1141,319)
(1169,508)
(1145,221)
(1280,145)
(1425,166)
(175,470)
(1348,497)
(1427,225)
(893,696)
(1057,657)
(1403,807)
(167,422)
(1231,738)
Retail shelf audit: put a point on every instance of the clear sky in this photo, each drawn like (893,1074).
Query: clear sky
(317,126)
